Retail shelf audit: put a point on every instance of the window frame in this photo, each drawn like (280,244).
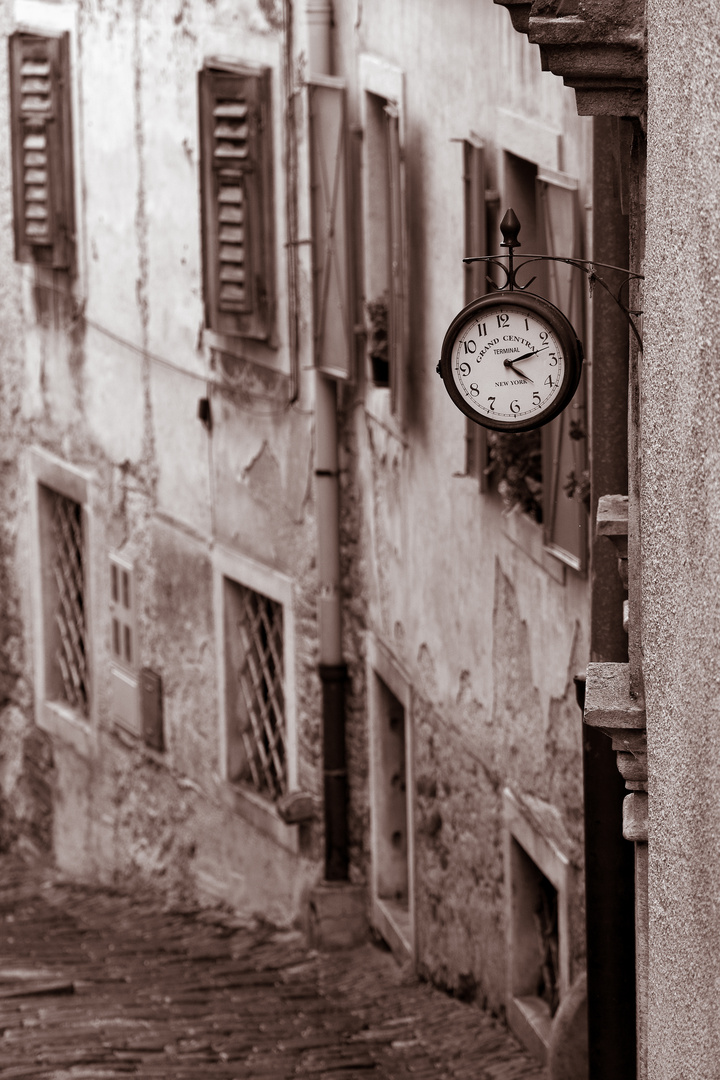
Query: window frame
(382,666)
(253,807)
(59,718)
(384,81)
(531,536)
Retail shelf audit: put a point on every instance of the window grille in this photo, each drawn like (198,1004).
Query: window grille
(68,572)
(259,720)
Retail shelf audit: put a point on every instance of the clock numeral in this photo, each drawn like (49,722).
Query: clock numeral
(464,369)
(515,406)
(549,381)
(482,329)
(553,359)
(503,319)
(536,395)
(470,346)
(474,389)
(544,335)
(527,325)
(492,404)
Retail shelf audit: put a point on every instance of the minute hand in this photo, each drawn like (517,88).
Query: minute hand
(526,356)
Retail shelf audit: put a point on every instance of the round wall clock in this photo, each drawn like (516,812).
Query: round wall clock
(511,361)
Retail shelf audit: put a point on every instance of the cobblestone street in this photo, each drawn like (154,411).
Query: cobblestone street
(98,984)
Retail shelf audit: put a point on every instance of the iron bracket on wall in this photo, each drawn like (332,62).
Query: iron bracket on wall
(510,227)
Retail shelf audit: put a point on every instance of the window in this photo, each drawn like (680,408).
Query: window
(42,149)
(258,745)
(333,320)
(255,691)
(391,833)
(544,473)
(67,676)
(538,886)
(384,229)
(237,204)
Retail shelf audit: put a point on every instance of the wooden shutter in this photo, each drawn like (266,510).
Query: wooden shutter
(42,149)
(124,698)
(397,312)
(332,295)
(475,283)
(237,225)
(565,440)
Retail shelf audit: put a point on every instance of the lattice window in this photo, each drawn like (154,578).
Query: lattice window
(257,736)
(70,653)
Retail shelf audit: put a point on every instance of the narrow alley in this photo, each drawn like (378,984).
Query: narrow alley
(95,984)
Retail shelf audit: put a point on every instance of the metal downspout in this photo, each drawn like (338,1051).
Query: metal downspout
(331,668)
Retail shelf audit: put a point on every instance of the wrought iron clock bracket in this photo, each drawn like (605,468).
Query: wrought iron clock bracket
(510,227)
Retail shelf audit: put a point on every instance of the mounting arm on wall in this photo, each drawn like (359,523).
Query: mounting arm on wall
(510,227)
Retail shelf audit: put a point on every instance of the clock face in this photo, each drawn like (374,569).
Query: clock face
(511,363)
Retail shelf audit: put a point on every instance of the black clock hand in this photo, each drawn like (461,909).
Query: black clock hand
(525,356)
(511,363)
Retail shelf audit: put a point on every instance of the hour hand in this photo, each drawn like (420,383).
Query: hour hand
(511,364)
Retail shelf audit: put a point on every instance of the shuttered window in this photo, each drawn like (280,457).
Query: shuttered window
(236,169)
(332,294)
(565,439)
(397,307)
(42,149)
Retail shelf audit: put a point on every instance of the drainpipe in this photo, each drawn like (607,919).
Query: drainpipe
(332,669)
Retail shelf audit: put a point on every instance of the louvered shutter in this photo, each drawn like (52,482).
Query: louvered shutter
(475,283)
(42,149)
(236,147)
(565,442)
(332,297)
(397,313)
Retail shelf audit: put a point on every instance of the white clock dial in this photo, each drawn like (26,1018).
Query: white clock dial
(507,364)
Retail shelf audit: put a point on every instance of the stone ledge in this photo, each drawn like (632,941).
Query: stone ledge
(604,62)
(608,700)
(635,817)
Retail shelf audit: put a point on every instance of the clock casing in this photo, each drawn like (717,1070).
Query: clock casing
(497,331)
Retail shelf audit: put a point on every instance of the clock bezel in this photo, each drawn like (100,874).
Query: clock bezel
(558,323)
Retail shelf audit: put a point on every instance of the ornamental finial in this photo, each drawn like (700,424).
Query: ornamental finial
(510,227)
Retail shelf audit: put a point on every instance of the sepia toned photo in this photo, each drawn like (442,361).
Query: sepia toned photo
(359,540)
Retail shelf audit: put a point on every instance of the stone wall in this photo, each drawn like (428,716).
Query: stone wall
(680,513)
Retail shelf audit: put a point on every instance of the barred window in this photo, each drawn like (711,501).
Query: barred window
(255,691)
(67,674)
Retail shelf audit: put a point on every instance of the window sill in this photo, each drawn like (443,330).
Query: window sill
(529,1017)
(377,407)
(528,536)
(391,919)
(65,724)
(262,815)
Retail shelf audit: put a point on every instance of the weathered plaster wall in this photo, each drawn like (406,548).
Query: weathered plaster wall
(25,753)
(489,638)
(680,514)
(109,379)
